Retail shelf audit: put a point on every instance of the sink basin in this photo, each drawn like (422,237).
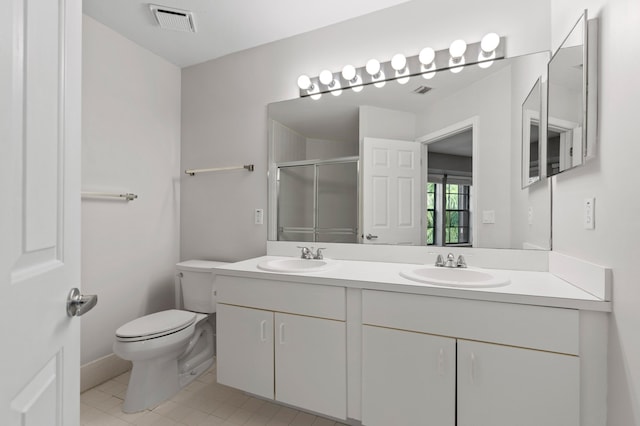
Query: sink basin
(296,265)
(456,277)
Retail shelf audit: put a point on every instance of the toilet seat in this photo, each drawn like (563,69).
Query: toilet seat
(155,325)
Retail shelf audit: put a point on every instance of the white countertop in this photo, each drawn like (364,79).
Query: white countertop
(526,287)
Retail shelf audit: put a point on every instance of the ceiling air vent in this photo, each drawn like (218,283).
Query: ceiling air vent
(173,19)
(421,90)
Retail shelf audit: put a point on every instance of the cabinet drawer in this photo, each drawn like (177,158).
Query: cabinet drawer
(290,297)
(536,327)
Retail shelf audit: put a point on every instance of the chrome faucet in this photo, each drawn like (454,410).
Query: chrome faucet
(318,254)
(451,261)
(307,253)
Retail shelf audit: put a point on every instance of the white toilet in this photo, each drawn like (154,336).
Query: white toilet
(169,349)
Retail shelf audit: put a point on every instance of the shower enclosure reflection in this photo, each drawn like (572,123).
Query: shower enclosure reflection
(318,201)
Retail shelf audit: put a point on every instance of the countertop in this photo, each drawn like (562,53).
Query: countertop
(526,287)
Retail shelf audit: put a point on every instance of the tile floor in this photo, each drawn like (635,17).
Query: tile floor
(202,403)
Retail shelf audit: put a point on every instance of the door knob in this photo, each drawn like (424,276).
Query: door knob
(78,304)
(371,237)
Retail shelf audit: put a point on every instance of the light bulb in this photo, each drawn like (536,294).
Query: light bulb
(457,49)
(316,96)
(489,43)
(455,66)
(426,56)
(398,62)
(349,72)
(373,67)
(429,73)
(304,82)
(483,62)
(326,78)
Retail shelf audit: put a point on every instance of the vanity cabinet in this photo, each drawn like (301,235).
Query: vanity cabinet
(468,363)
(408,378)
(284,341)
(503,385)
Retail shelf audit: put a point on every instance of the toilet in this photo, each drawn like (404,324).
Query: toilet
(170,349)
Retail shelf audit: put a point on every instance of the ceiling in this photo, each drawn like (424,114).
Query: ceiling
(224,26)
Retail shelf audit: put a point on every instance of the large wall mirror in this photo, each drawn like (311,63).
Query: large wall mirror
(572,102)
(430,162)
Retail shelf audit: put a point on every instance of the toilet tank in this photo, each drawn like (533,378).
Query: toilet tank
(195,285)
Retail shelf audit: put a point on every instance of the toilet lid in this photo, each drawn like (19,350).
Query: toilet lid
(158,324)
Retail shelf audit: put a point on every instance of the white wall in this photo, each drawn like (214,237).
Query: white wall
(383,123)
(225,101)
(319,149)
(130,143)
(611,179)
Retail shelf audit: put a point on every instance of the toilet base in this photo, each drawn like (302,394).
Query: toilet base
(151,382)
(155,380)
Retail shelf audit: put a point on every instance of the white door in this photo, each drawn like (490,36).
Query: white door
(506,386)
(407,378)
(391,192)
(245,349)
(40,53)
(311,364)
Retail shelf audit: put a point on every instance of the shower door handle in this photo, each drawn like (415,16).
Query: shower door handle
(79,304)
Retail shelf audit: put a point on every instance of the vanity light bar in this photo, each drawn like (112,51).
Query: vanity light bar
(335,82)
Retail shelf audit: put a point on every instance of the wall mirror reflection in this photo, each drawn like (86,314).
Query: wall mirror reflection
(429,162)
(572,89)
(531,135)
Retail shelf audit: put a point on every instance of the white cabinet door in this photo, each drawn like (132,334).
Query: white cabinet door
(311,364)
(506,386)
(408,379)
(245,349)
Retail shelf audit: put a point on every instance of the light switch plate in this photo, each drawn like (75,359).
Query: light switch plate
(259,217)
(589,213)
(489,216)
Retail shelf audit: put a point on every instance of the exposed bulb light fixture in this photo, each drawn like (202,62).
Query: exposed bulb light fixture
(399,64)
(374,69)
(350,74)
(401,68)
(427,58)
(488,46)
(456,50)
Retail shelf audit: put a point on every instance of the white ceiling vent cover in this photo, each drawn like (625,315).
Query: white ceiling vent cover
(173,19)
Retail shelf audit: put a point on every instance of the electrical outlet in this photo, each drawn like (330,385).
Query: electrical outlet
(589,213)
(259,216)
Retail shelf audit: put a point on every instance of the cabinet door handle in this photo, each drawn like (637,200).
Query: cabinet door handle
(441,362)
(473,368)
(281,333)
(263,330)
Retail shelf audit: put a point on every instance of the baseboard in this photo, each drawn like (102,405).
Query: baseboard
(99,371)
